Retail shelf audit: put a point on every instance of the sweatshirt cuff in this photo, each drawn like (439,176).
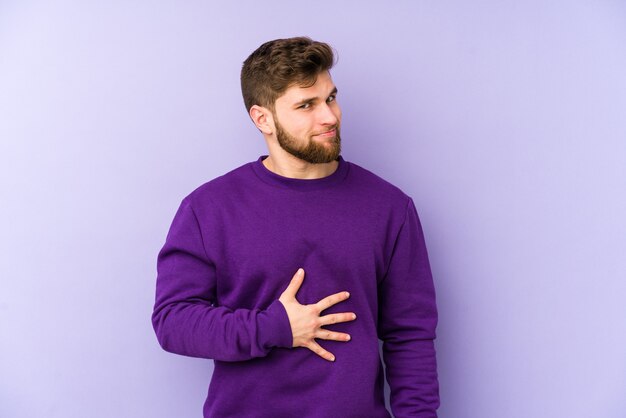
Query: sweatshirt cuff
(274,329)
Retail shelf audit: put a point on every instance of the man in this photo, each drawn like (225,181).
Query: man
(287,270)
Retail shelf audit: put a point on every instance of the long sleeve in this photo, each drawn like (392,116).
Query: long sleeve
(185,317)
(407,322)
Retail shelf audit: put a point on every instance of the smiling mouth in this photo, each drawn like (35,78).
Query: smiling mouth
(332,132)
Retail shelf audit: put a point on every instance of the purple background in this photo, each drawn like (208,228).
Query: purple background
(504,120)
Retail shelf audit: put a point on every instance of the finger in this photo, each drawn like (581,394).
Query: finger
(295,283)
(317,349)
(336,318)
(331,300)
(325,334)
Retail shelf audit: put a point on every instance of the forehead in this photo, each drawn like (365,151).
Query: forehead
(320,89)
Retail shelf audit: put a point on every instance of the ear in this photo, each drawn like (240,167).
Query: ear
(262,118)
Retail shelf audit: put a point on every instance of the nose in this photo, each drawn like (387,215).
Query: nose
(329,114)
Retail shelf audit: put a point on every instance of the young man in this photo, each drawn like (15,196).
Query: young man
(287,270)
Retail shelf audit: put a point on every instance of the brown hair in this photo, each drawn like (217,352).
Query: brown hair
(279,64)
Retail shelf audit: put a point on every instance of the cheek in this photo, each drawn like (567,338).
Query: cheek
(301,127)
(293,125)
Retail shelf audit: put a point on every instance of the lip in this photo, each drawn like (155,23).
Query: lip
(327,134)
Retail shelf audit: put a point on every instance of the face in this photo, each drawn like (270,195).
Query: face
(307,121)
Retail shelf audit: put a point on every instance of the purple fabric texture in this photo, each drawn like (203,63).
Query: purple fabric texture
(234,245)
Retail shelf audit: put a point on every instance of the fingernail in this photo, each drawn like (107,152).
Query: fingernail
(348,338)
(300,271)
(353,316)
(332,358)
(347,294)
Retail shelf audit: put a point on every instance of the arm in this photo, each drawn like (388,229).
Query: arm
(185,319)
(407,322)
(187,322)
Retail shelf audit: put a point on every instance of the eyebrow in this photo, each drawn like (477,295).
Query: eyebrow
(313,99)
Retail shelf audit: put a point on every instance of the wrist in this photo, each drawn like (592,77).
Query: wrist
(274,329)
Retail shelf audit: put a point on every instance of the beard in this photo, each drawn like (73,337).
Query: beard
(311,151)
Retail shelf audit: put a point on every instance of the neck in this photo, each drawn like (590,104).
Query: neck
(287,165)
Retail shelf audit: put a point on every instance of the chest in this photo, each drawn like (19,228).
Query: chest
(340,245)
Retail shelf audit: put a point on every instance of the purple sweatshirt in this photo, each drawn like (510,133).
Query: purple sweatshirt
(232,249)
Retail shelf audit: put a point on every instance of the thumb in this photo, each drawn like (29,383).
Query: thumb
(294,284)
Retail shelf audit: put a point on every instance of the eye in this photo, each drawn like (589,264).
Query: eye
(305,106)
(331,98)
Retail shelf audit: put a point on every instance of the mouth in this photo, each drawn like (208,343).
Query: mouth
(328,134)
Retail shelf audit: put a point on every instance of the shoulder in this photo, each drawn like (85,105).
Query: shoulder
(220,188)
(377,187)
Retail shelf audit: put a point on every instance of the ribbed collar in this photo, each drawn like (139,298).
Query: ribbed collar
(300,184)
